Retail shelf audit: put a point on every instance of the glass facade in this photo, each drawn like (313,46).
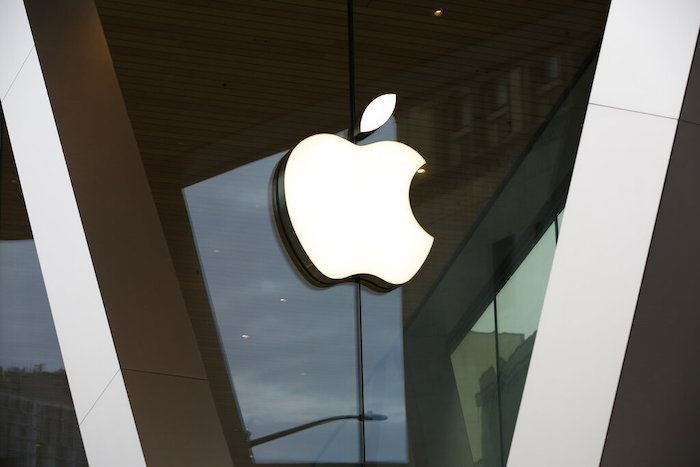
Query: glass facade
(490,362)
(492,98)
(428,374)
(290,348)
(38,425)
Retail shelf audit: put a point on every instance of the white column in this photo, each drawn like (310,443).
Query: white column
(611,209)
(108,428)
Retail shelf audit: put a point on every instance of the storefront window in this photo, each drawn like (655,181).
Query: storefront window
(492,97)
(290,347)
(475,369)
(496,112)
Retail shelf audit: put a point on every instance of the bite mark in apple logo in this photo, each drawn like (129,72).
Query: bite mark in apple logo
(343,210)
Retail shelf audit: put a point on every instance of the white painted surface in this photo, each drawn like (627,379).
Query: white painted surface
(603,245)
(71,285)
(109,433)
(76,304)
(646,54)
(593,287)
(15,41)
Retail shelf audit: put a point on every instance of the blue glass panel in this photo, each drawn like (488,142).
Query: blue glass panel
(290,347)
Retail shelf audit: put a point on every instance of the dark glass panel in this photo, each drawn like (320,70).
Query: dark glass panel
(493,97)
(290,347)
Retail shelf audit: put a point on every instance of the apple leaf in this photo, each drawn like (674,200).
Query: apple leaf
(377,112)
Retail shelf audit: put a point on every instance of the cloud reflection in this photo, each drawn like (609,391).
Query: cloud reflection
(299,362)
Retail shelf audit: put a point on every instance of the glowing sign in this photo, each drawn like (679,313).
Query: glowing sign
(344,209)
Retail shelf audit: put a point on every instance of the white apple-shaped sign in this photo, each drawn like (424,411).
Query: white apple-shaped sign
(345,213)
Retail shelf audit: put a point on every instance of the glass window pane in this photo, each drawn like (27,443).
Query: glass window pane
(290,347)
(495,108)
(474,364)
(518,309)
(384,392)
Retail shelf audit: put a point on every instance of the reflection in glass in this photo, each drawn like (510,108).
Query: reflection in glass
(474,364)
(499,145)
(520,299)
(290,347)
(384,377)
(489,374)
(518,308)
(37,420)
(27,337)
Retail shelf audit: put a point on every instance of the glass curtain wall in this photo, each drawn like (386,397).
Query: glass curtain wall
(492,95)
(38,426)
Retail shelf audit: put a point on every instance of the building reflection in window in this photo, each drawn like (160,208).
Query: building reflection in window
(37,420)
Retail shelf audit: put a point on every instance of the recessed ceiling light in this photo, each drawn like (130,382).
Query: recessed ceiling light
(245,336)
(437,13)
(421,170)
(283,299)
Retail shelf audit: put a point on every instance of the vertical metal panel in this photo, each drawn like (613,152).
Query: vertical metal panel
(646,55)
(655,417)
(16,38)
(611,209)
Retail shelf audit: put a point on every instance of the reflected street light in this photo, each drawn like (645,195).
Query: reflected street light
(369,417)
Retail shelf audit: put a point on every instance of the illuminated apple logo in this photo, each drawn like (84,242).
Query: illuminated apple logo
(343,210)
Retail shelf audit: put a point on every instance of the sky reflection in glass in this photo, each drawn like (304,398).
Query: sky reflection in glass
(27,335)
(291,347)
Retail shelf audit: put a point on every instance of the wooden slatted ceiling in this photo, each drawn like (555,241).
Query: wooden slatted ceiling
(196,74)
(14,224)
